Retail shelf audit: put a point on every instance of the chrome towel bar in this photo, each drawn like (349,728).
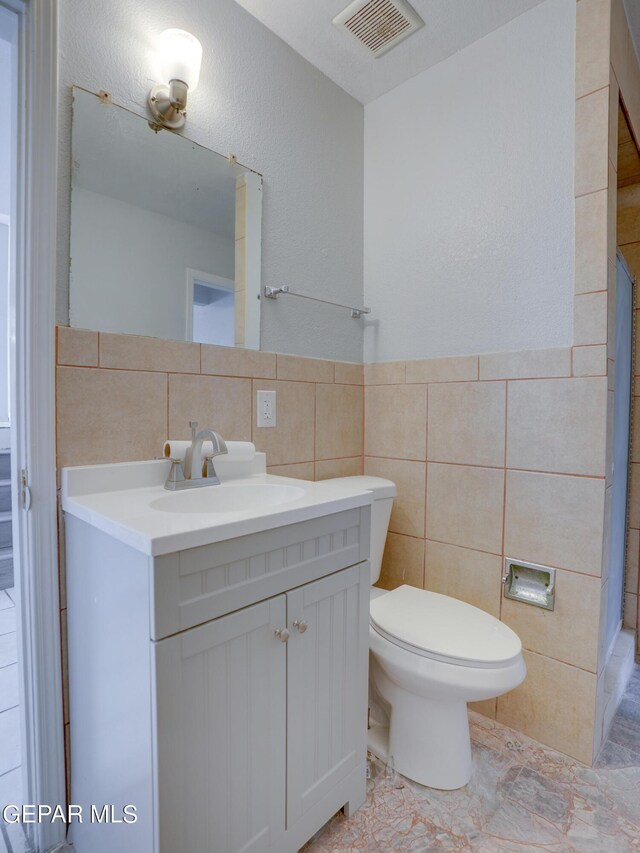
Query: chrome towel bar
(274,292)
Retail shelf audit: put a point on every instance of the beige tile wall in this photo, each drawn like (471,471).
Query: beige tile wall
(493,455)
(451,441)
(120,396)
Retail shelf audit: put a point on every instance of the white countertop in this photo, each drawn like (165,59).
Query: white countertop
(117,499)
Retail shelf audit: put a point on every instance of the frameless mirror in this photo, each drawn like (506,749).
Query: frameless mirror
(165,234)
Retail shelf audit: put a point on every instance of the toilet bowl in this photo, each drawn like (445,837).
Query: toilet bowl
(430,654)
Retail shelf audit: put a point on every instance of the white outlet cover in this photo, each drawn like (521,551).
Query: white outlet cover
(266,409)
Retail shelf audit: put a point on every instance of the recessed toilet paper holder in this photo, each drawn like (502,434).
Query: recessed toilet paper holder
(529,583)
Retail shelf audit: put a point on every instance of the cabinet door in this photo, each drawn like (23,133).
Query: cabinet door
(326,685)
(220,734)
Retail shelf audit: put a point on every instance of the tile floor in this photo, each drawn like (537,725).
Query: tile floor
(12,838)
(522,797)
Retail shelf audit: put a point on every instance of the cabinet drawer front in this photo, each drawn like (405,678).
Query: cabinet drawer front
(326,686)
(220,734)
(194,586)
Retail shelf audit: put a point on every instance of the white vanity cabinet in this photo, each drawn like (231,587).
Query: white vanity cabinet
(253,728)
(222,689)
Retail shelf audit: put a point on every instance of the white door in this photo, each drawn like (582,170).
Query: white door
(326,685)
(220,728)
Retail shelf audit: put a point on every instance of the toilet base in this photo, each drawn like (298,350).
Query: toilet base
(429,741)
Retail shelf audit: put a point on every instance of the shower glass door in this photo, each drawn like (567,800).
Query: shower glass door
(621,416)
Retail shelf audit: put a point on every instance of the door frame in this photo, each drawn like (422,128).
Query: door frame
(33,407)
(6,220)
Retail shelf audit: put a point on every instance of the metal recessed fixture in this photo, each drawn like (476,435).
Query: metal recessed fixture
(529,583)
(379,25)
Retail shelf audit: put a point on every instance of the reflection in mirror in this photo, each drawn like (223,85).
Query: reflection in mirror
(165,234)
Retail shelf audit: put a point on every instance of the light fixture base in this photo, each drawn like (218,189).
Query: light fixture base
(163,110)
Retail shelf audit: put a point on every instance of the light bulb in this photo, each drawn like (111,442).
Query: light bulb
(180,57)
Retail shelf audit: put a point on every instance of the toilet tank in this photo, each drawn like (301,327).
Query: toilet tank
(384,491)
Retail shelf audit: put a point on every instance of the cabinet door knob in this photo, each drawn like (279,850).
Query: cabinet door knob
(282,634)
(300,625)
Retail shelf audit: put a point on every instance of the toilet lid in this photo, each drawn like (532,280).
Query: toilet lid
(443,628)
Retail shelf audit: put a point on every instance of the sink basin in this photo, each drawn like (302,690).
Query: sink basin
(128,501)
(226,498)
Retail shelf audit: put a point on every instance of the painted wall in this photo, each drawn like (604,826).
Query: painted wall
(469,197)
(143,290)
(260,100)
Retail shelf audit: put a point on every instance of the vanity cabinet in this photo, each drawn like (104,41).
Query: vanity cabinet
(253,727)
(222,690)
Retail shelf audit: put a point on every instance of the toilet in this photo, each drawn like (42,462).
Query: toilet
(429,654)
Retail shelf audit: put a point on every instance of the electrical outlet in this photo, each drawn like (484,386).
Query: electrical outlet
(266,409)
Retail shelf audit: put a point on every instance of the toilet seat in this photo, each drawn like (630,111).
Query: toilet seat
(443,628)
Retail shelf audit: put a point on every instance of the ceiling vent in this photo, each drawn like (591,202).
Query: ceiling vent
(379,25)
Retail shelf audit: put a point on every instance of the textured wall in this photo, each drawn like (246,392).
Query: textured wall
(260,100)
(469,197)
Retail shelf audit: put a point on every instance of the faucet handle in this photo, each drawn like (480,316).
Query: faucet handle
(208,469)
(176,472)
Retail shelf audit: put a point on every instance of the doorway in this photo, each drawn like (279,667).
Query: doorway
(14,838)
(31,751)
(628,240)
(621,449)
(211,309)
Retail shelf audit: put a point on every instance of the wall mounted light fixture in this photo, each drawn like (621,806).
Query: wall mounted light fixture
(180,56)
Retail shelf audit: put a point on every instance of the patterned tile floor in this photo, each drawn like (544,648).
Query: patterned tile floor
(522,797)
(12,838)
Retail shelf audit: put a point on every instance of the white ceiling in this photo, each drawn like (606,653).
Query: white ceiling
(450,25)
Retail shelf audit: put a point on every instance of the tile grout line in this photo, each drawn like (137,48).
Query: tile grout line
(489,467)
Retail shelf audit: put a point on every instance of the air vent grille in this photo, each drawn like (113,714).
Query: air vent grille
(379,25)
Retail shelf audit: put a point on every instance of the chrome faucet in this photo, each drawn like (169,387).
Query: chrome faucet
(181,477)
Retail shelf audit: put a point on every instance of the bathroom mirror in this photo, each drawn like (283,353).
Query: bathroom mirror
(165,234)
